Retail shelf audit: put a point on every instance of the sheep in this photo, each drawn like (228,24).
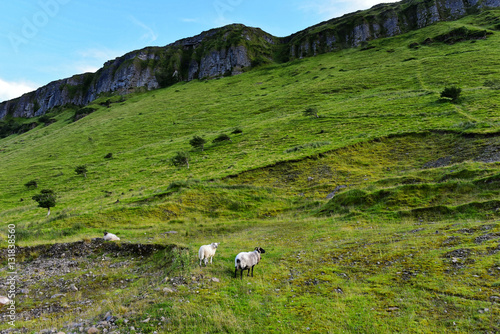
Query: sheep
(4,301)
(207,251)
(110,237)
(247,260)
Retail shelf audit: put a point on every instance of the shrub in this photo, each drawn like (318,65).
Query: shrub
(236,131)
(220,138)
(108,156)
(198,142)
(31,184)
(181,158)
(81,170)
(451,92)
(311,112)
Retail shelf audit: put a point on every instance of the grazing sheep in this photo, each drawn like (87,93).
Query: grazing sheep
(247,260)
(4,301)
(207,251)
(110,237)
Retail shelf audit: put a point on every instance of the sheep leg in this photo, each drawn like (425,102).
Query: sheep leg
(206,261)
(235,271)
(211,259)
(252,270)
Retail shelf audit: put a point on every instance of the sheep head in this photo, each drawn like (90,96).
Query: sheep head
(260,250)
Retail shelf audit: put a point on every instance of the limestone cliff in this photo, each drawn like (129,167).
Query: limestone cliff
(383,20)
(235,48)
(218,52)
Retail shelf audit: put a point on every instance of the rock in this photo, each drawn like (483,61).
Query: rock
(216,280)
(146,320)
(92,330)
(494,299)
(73,287)
(57,295)
(167,290)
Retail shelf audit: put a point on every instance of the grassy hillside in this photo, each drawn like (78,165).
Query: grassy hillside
(380,215)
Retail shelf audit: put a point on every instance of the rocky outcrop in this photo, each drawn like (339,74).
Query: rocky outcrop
(384,20)
(232,49)
(214,53)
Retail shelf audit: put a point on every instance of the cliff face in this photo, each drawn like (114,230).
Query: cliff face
(215,53)
(232,49)
(384,20)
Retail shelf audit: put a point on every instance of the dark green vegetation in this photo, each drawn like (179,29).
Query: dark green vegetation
(382,215)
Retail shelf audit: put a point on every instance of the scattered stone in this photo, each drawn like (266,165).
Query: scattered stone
(392,309)
(330,195)
(495,299)
(167,290)
(216,280)
(146,320)
(486,237)
(92,330)
(57,295)
(73,287)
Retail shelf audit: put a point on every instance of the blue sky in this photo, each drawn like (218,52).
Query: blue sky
(46,40)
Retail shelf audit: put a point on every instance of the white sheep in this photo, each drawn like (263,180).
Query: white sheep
(207,251)
(4,301)
(110,237)
(247,260)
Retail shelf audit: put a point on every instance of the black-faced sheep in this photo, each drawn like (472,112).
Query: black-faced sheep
(247,260)
(110,237)
(207,251)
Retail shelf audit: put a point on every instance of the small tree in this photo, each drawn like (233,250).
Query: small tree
(451,92)
(311,112)
(198,142)
(31,184)
(46,199)
(81,170)
(181,158)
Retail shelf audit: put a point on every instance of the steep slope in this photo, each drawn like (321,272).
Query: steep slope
(232,49)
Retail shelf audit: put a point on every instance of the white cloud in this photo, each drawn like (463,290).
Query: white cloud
(329,9)
(11,89)
(149,35)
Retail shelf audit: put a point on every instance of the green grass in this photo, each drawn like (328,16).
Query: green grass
(413,179)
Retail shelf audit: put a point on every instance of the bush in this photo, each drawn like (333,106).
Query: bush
(181,158)
(311,112)
(198,142)
(31,184)
(108,156)
(81,170)
(451,92)
(236,131)
(220,138)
